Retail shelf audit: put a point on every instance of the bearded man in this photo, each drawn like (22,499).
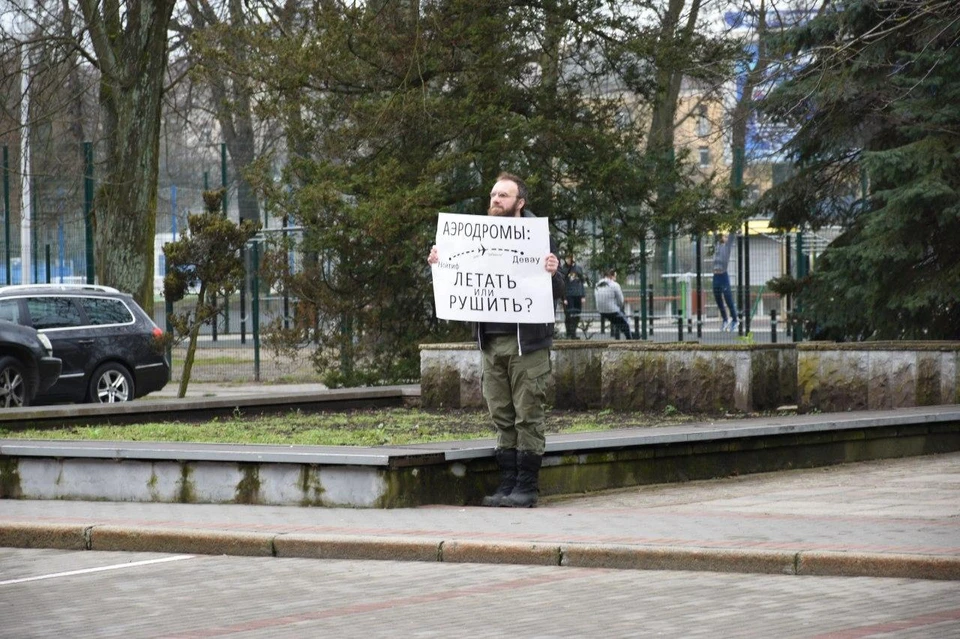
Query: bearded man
(516,369)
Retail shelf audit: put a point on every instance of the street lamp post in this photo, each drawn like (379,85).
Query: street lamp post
(25,194)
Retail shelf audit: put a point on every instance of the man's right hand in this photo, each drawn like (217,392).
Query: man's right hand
(433,258)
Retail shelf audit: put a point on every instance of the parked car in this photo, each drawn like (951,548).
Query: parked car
(110,348)
(27,365)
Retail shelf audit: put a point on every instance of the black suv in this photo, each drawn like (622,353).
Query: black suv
(110,348)
(27,366)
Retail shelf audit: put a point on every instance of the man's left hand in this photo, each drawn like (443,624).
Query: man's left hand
(551,263)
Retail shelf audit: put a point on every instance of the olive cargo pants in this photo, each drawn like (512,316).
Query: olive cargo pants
(515,388)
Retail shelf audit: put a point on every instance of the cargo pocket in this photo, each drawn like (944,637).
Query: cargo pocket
(539,372)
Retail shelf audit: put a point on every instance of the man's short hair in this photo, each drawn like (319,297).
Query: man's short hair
(610,272)
(521,185)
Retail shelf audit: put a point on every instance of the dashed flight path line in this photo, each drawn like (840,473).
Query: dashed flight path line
(482,251)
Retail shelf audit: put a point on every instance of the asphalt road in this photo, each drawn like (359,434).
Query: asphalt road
(50,593)
(906,506)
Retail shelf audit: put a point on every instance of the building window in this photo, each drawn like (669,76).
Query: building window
(704,156)
(703,122)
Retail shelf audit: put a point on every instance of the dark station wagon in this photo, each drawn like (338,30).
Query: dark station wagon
(110,348)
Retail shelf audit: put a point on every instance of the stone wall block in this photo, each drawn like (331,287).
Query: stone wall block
(625,380)
(684,390)
(838,382)
(773,378)
(950,377)
(928,379)
(891,379)
(450,376)
(576,378)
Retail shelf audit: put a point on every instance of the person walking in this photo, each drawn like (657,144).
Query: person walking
(610,303)
(721,283)
(573,279)
(515,371)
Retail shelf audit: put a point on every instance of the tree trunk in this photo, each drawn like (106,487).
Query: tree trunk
(744,106)
(670,68)
(192,341)
(132,55)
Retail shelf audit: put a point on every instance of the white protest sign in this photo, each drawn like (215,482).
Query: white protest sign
(491,269)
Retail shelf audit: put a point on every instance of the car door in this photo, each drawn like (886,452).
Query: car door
(59,317)
(115,328)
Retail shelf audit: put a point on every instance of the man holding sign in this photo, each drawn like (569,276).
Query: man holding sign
(500,272)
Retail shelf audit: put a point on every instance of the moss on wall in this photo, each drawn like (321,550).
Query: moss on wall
(310,485)
(928,380)
(457,483)
(248,489)
(440,387)
(576,378)
(10,478)
(186,493)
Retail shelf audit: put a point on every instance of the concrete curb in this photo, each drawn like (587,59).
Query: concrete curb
(56,536)
(178,541)
(608,556)
(841,564)
(680,558)
(346,547)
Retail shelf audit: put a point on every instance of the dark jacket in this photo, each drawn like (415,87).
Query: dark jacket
(530,337)
(574,278)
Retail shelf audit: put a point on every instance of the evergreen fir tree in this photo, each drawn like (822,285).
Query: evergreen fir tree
(876,102)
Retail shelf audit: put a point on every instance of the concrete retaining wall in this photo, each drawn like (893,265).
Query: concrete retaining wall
(463,472)
(629,376)
(877,375)
(696,378)
(705,378)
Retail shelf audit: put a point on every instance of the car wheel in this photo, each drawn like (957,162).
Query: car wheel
(14,391)
(111,383)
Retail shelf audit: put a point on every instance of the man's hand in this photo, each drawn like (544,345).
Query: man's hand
(433,258)
(551,263)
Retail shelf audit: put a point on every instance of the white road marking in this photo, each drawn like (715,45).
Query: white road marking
(100,569)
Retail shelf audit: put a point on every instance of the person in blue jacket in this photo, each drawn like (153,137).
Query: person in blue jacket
(721,283)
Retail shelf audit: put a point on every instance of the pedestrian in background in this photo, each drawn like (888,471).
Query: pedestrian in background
(721,282)
(610,303)
(515,371)
(574,280)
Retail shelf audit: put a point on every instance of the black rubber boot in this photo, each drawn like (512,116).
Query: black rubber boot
(507,461)
(527,490)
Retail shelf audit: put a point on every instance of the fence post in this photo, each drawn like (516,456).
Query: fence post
(255,302)
(286,269)
(650,302)
(643,286)
(88,208)
(748,314)
(6,209)
(797,328)
(699,298)
(773,325)
(168,313)
(243,296)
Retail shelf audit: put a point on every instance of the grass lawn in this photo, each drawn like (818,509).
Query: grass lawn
(374,427)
